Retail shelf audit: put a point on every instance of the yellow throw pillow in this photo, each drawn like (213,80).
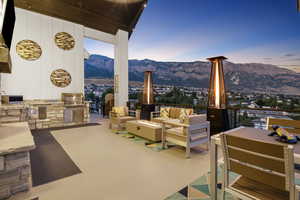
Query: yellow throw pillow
(189,111)
(119,110)
(165,112)
(184,115)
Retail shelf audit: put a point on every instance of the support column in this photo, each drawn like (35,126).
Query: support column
(121,68)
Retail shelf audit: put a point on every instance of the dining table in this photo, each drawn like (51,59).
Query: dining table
(244,132)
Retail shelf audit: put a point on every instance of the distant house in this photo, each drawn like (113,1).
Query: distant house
(267,107)
(244,103)
(253,105)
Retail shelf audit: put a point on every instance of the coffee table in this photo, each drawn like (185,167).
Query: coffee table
(146,129)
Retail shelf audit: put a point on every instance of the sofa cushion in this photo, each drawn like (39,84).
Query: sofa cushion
(175,113)
(126,118)
(177,131)
(165,112)
(195,119)
(159,119)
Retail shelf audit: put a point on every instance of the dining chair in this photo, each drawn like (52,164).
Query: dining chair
(266,170)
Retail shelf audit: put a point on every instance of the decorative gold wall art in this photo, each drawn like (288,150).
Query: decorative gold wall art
(29,50)
(64,41)
(60,78)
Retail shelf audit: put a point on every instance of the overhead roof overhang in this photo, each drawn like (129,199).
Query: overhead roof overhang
(103,15)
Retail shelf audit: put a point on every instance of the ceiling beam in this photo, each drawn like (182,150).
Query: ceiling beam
(78,13)
(137,17)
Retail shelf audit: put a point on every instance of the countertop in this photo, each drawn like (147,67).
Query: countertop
(43,102)
(12,106)
(27,103)
(15,137)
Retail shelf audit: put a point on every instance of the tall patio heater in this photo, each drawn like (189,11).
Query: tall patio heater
(217,103)
(148,100)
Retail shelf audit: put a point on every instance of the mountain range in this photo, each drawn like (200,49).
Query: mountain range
(251,77)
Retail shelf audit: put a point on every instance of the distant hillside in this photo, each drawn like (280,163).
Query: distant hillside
(252,77)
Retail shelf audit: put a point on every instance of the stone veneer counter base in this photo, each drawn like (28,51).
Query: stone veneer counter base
(15,171)
(53,113)
(15,137)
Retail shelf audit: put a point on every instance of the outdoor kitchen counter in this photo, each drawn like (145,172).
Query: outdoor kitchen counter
(43,102)
(12,106)
(10,113)
(16,142)
(15,137)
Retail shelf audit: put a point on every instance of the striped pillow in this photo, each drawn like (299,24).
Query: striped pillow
(165,112)
(184,115)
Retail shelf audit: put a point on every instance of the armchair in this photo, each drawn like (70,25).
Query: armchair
(193,131)
(120,115)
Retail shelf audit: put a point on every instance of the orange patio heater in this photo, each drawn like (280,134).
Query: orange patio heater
(148,99)
(217,112)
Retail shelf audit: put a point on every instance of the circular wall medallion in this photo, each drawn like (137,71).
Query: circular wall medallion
(64,41)
(60,78)
(28,50)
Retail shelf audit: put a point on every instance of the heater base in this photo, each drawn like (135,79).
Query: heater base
(146,111)
(219,121)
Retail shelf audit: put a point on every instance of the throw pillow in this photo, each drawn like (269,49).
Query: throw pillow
(165,112)
(119,110)
(184,115)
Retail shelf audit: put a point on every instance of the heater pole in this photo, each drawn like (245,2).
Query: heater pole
(217,113)
(148,100)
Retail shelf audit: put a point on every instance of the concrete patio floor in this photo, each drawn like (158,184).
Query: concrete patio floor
(115,168)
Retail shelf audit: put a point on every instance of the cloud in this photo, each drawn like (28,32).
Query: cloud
(189,44)
(295,59)
(289,55)
(176,47)
(98,47)
(259,53)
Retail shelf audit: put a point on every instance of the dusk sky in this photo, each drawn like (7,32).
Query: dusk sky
(261,31)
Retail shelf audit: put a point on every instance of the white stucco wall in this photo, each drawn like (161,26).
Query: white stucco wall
(121,68)
(32,78)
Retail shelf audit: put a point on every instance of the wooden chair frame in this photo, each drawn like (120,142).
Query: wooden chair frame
(242,159)
(154,115)
(188,130)
(115,119)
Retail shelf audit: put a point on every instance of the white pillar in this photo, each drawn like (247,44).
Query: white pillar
(121,68)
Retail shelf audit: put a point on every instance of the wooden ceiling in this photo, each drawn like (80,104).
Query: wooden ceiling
(104,15)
